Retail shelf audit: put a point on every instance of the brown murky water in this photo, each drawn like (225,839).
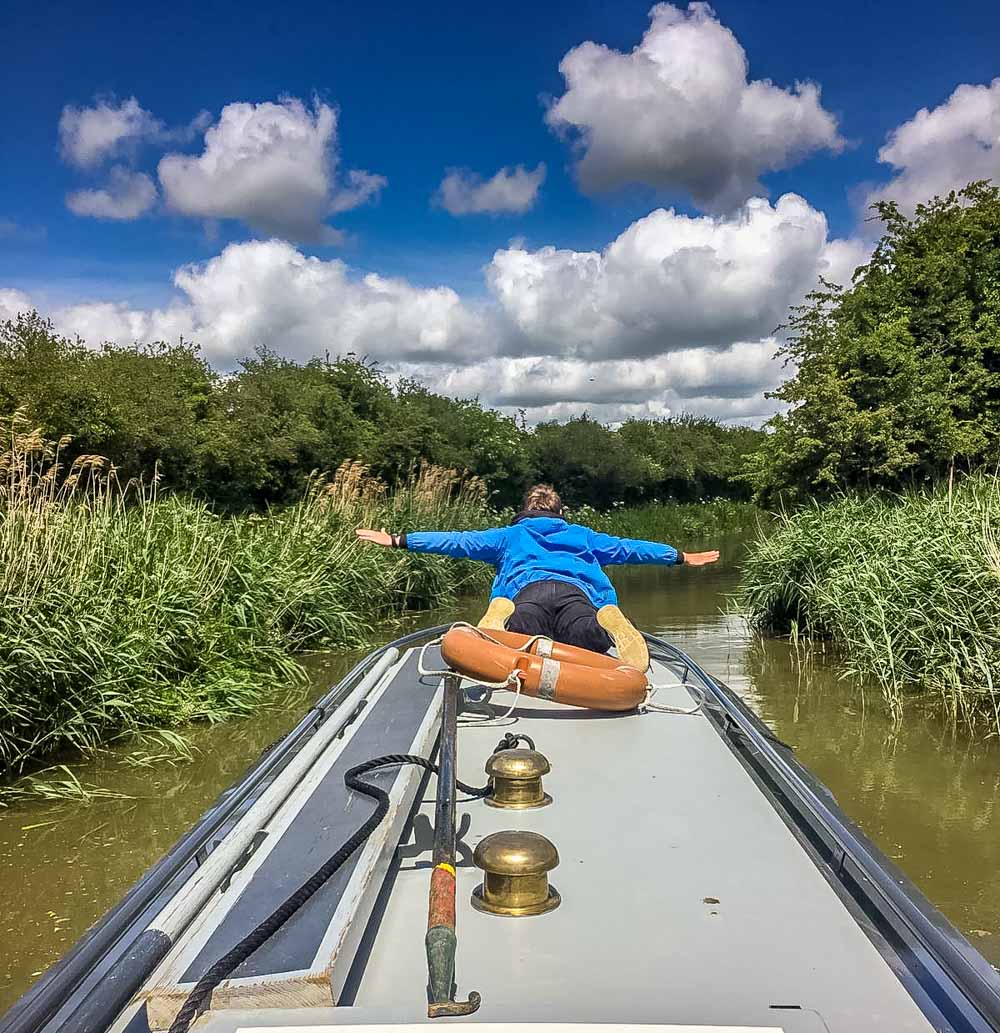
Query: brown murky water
(929,798)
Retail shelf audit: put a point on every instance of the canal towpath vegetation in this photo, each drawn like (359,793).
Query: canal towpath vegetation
(125,609)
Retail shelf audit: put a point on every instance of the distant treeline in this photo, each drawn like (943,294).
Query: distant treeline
(894,384)
(256,436)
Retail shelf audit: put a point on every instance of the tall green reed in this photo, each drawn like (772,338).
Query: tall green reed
(673,521)
(908,589)
(122,610)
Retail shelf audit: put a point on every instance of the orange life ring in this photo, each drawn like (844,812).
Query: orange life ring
(549,670)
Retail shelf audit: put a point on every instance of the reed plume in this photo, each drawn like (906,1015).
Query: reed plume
(121,609)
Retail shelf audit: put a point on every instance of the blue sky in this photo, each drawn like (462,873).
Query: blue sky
(420,89)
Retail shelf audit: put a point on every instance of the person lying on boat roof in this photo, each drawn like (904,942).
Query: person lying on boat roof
(549,579)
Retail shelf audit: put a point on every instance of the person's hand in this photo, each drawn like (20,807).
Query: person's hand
(378,537)
(696,559)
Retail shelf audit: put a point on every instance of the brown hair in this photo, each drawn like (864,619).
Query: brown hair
(542,496)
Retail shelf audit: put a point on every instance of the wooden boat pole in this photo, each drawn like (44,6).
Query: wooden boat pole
(441,940)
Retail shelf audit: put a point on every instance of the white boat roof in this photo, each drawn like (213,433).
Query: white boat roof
(687,902)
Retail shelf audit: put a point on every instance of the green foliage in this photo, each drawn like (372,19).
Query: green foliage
(275,423)
(908,588)
(693,457)
(686,458)
(121,610)
(897,378)
(258,436)
(674,522)
(589,463)
(139,406)
(457,434)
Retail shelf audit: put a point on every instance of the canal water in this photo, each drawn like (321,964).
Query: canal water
(929,797)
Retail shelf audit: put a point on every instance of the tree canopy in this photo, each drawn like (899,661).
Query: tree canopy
(897,377)
(255,436)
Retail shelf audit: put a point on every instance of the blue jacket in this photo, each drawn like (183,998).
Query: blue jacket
(545,548)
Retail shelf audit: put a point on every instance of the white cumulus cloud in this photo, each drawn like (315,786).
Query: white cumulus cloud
(127,195)
(841,258)
(272,167)
(674,315)
(679,112)
(716,378)
(510,190)
(269,293)
(944,149)
(98,322)
(12,302)
(89,135)
(361,187)
(668,282)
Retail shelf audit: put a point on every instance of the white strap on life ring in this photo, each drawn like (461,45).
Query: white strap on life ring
(549,676)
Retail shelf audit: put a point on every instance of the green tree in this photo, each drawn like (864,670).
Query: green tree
(590,463)
(693,457)
(276,422)
(455,433)
(139,406)
(897,378)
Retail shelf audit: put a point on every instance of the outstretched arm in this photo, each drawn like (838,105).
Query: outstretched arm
(608,550)
(472,545)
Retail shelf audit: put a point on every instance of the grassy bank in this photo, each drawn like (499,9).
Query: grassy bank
(121,610)
(907,589)
(674,522)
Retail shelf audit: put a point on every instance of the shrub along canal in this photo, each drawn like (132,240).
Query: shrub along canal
(928,797)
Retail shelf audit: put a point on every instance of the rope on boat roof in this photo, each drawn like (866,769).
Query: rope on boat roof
(200,997)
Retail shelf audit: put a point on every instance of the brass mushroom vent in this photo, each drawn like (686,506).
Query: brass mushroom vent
(517,779)
(515,874)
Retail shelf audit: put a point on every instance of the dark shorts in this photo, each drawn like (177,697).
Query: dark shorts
(560,611)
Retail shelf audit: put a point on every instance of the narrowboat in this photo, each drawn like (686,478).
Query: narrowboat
(425,848)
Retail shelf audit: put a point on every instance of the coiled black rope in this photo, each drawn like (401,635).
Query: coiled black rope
(228,963)
(510,742)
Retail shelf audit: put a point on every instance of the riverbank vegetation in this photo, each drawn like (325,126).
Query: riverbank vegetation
(121,608)
(907,590)
(895,424)
(254,437)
